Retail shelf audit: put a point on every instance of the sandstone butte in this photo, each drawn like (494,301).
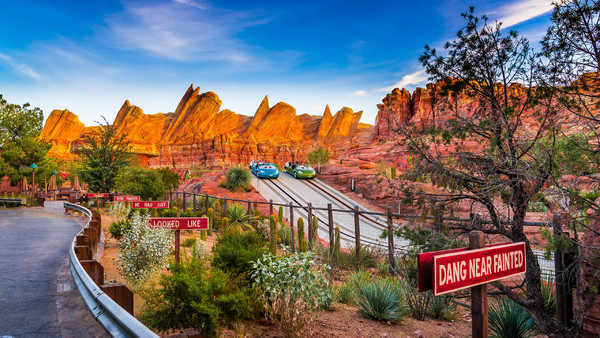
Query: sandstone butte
(198,131)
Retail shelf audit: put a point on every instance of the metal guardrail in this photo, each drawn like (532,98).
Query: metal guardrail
(115,320)
(20,201)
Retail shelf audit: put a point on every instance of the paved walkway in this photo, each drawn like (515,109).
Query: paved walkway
(38,297)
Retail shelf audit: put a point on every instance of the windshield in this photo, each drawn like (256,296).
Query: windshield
(304,167)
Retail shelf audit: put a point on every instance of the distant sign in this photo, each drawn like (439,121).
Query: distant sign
(467,268)
(98,195)
(126,198)
(150,205)
(181,223)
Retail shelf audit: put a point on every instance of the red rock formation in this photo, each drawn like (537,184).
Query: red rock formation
(396,109)
(198,132)
(61,129)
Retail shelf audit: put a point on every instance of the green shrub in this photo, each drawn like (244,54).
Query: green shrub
(238,179)
(380,300)
(441,308)
(285,235)
(116,229)
(189,242)
(344,294)
(237,252)
(538,206)
(143,251)
(509,319)
(297,275)
(119,211)
(192,295)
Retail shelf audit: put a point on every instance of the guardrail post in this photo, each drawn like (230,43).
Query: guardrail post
(292,238)
(95,270)
(93,235)
(120,294)
(83,240)
(390,226)
(310,227)
(357,233)
(83,253)
(207,204)
(331,234)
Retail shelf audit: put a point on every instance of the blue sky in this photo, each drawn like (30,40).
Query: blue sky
(90,56)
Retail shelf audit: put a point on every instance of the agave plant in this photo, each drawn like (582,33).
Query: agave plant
(238,218)
(380,300)
(509,319)
(238,179)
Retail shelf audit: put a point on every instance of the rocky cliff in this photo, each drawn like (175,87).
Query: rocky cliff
(199,131)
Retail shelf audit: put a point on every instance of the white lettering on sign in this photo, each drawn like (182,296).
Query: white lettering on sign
(461,270)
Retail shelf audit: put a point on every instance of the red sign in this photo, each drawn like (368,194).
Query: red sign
(126,198)
(183,223)
(100,195)
(150,205)
(464,269)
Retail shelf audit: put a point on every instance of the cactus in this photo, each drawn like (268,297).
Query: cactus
(341,161)
(178,202)
(336,247)
(225,225)
(315,230)
(300,234)
(203,235)
(255,206)
(273,235)
(211,218)
(280,214)
(304,245)
(393,172)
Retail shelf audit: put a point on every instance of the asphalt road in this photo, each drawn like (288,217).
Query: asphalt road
(37,293)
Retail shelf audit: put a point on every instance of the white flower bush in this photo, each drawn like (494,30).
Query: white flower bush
(144,251)
(119,211)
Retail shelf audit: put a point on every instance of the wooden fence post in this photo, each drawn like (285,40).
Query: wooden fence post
(270,208)
(249,211)
(225,207)
(194,204)
(183,208)
(331,234)
(559,273)
(390,228)
(292,238)
(357,233)
(479,300)
(206,203)
(310,227)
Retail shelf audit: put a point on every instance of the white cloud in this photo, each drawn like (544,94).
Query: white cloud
(359,93)
(414,78)
(520,11)
(193,32)
(20,67)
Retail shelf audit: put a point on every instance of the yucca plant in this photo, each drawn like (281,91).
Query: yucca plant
(380,300)
(549,296)
(344,294)
(238,218)
(356,279)
(509,319)
(238,179)
(441,308)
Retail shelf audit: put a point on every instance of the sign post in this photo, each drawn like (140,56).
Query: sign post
(97,196)
(473,268)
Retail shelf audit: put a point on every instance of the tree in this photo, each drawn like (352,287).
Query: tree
(318,156)
(19,148)
(487,155)
(146,183)
(169,178)
(103,155)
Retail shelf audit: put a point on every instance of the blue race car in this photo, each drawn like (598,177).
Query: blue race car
(264,170)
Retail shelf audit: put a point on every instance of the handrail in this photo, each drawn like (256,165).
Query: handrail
(115,320)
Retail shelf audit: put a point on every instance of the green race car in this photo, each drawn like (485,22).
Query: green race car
(299,170)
